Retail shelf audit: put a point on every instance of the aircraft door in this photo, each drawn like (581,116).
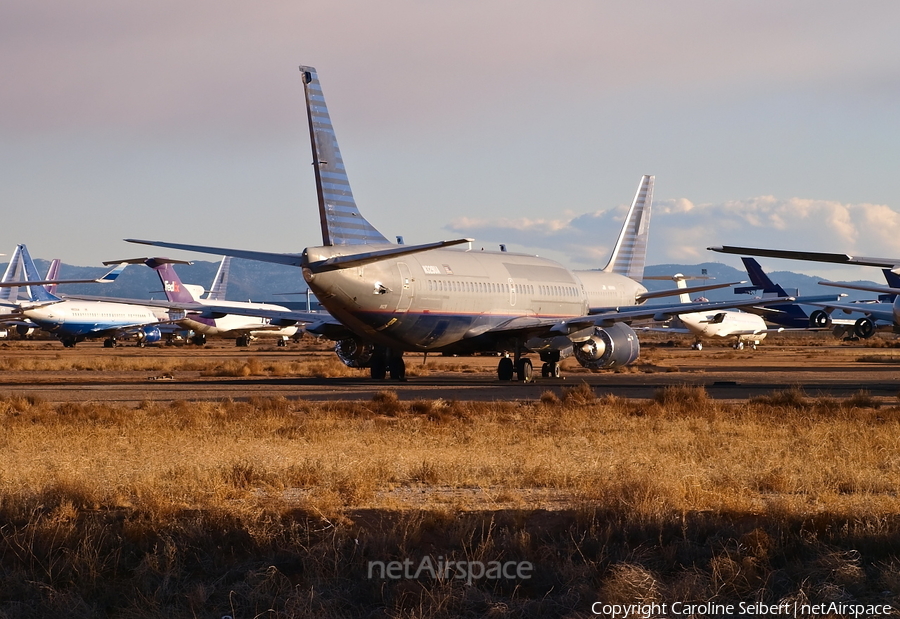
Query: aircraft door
(512,292)
(406,288)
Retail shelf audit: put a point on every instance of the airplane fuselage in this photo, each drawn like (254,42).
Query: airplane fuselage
(446,297)
(82,318)
(234,325)
(725,324)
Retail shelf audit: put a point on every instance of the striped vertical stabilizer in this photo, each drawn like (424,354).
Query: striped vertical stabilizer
(630,252)
(14,272)
(53,273)
(220,283)
(342,223)
(35,293)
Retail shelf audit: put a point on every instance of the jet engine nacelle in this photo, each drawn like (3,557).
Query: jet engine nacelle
(819,319)
(608,347)
(24,331)
(149,335)
(354,353)
(864,328)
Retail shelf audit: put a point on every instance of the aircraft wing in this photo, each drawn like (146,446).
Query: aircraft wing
(655,312)
(663,329)
(865,287)
(811,256)
(671,292)
(212,310)
(878,311)
(548,327)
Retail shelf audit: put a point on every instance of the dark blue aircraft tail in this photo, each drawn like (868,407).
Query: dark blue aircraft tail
(785,314)
(893,280)
(760,280)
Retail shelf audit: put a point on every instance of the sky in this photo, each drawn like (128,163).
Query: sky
(529,123)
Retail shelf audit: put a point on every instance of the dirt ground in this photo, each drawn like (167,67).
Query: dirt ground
(129,375)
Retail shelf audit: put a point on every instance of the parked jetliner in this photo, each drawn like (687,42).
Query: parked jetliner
(74,320)
(792,315)
(864,327)
(387,299)
(239,327)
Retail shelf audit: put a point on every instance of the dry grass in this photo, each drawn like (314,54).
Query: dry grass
(273,508)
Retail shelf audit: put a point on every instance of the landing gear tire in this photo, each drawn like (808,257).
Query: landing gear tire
(282,341)
(505,369)
(199,339)
(697,346)
(398,368)
(242,341)
(109,342)
(68,342)
(550,370)
(524,371)
(739,346)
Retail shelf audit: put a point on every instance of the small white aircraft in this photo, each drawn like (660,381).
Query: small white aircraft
(747,329)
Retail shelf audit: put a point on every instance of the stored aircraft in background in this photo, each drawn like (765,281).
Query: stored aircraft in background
(73,320)
(241,328)
(387,299)
(792,315)
(864,327)
(745,328)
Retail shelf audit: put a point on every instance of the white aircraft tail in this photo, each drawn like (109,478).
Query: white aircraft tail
(342,223)
(630,252)
(220,283)
(15,271)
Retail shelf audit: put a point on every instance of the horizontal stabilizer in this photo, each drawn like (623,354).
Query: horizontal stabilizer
(294,260)
(354,260)
(107,278)
(144,260)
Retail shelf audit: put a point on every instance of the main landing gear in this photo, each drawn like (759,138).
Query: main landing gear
(550,369)
(521,368)
(385,363)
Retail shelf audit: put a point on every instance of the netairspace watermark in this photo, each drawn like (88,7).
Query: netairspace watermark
(446,570)
(786,609)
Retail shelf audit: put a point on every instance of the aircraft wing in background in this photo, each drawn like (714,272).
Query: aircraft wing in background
(810,256)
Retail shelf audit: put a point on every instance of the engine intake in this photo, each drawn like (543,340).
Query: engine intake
(354,353)
(608,347)
(819,319)
(864,328)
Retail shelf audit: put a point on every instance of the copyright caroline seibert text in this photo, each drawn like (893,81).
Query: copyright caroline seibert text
(759,609)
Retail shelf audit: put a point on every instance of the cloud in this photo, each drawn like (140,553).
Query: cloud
(682,230)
